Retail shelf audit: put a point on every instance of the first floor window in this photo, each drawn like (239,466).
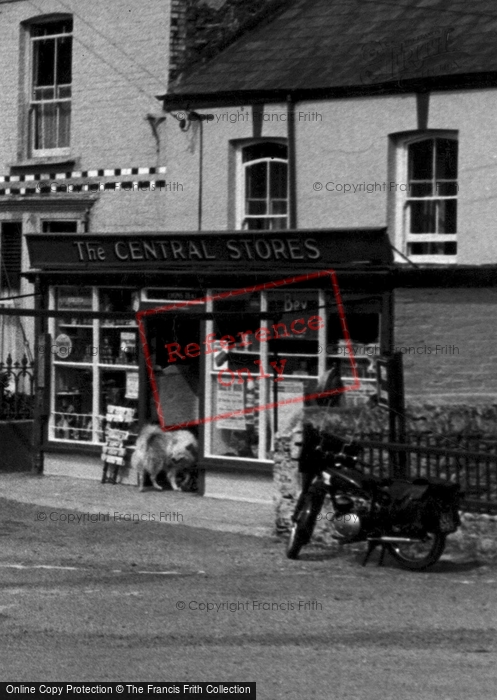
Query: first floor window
(10,256)
(51,88)
(265,175)
(430,207)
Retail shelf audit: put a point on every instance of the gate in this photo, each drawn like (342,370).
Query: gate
(16,389)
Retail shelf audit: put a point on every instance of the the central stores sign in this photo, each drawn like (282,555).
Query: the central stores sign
(201,249)
(236,248)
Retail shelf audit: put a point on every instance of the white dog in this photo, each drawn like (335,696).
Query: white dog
(158,450)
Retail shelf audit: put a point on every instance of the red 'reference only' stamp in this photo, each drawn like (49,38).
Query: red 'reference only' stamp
(220,347)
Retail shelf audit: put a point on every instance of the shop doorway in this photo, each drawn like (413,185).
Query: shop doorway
(177,374)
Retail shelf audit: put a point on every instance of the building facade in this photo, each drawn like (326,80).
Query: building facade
(324,137)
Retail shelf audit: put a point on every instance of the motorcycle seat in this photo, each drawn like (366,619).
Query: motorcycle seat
(353,477)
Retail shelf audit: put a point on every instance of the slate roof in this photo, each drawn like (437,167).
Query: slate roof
(321,44)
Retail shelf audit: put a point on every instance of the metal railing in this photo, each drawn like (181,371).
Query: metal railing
(16,389)
(473,463)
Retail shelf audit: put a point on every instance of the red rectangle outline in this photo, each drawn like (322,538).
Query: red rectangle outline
(239,292)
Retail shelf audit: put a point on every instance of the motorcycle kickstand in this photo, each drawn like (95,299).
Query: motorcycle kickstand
(372,544)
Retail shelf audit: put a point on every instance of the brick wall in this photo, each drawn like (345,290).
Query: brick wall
(448,338)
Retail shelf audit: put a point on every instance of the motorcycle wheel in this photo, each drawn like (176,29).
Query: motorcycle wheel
(303,528)
(417,556)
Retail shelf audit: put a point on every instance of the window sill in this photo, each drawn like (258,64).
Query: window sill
(57,162)
(432,260)
(86,447)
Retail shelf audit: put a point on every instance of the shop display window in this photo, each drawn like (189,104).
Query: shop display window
(261,338)
(364,330)
(94,361)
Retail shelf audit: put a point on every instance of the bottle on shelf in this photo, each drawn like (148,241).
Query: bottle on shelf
(106,354)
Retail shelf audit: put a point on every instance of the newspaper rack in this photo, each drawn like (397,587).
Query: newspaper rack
(118,419)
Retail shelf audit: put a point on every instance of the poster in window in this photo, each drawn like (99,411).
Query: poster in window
(229,399)
(288,413)
(131,385)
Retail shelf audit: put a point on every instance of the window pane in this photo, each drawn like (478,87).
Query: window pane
(44,93)
(447,216)
(421,160)
(448,248)
(49,28)
(64,60)
(64,125)
(421,189)
(446,159)
(422,216)
(278,207)
(264,150)
(46,126)
(72,417)
(278,224)
(60,227)
(257,224)
(446,189)
(256,183)
(44,62)
(256,206)
(278,180)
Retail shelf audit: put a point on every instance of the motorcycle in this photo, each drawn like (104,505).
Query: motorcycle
(408,518)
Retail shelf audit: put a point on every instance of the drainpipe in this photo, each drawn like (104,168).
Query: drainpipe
(200,174)
(292,164)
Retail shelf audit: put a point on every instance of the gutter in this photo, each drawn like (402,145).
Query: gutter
(233,98)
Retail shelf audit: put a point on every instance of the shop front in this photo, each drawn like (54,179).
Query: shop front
(238,333)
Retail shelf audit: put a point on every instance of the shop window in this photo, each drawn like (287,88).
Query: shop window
(10,256)
(51,86)
(427,196)
(95,361)
(257,340)
(265,186)
(364,331)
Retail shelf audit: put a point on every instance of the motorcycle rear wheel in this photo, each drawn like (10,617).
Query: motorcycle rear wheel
(302,529)
(419,555)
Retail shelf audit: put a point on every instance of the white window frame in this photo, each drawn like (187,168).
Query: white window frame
(240,214)
(399,188)
(94,365)
(32,102)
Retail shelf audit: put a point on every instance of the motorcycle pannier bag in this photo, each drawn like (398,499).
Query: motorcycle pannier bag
(409,507)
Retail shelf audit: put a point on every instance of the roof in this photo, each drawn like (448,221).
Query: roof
(313,45)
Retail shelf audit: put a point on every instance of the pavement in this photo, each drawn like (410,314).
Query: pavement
(56,493)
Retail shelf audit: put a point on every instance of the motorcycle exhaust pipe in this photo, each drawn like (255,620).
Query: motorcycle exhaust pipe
(388,538)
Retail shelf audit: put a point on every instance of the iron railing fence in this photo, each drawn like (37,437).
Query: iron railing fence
(16,389)
(475,470)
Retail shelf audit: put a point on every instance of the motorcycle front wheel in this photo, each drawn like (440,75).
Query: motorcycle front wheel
(303,527)
(421,554)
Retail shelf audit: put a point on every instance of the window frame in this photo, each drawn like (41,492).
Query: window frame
(399,187)
(58,151)
(241,184)
(94,365)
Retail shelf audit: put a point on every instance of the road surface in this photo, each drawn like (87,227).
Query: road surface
(148,601)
